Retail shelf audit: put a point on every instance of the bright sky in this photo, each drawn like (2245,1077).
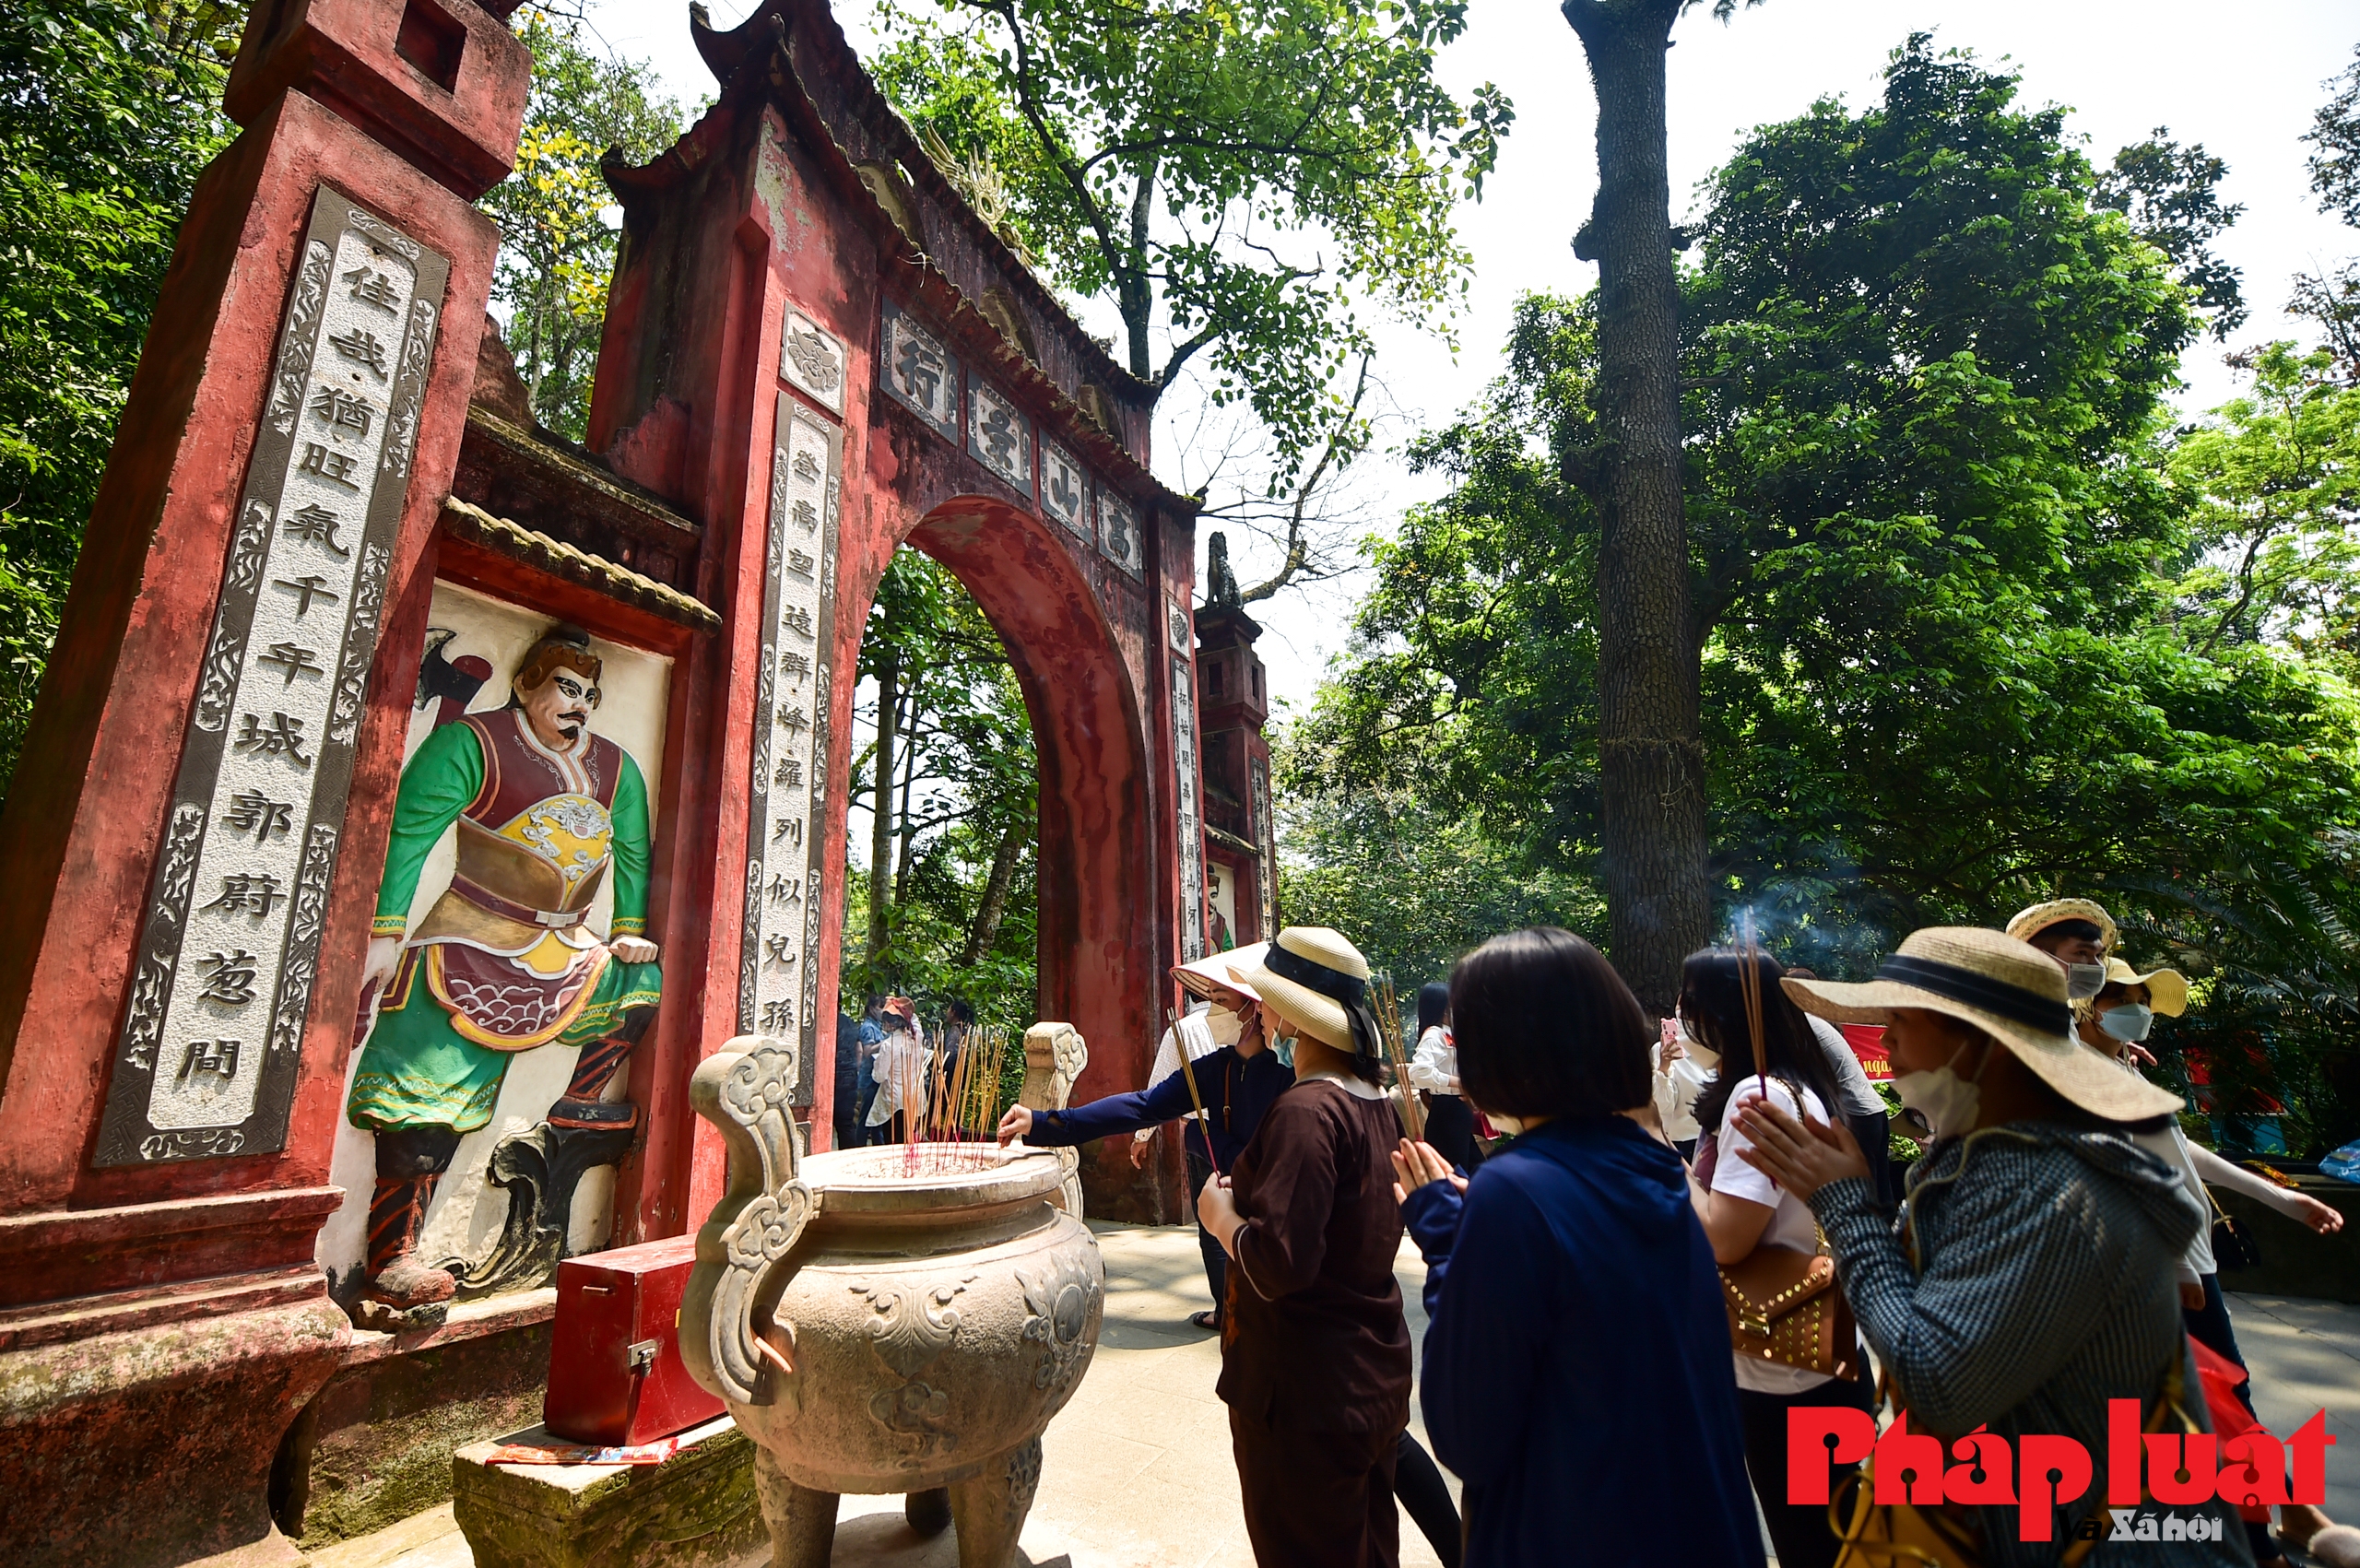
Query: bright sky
(2244,80)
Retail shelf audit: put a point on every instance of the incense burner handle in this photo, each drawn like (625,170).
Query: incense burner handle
(746,1090)
(1055,1056)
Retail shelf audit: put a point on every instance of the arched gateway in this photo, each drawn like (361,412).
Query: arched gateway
(283,847)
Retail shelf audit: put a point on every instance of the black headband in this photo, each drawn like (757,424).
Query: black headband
(2012,1002)
(1332,983)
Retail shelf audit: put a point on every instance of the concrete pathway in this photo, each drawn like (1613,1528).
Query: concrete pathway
(1136,1472)
(2305,1356)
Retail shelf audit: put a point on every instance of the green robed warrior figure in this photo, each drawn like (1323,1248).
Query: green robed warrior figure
(503,962)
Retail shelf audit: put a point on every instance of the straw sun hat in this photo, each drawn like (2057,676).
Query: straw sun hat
(2030,923)
(1318,981)
(1226,969)
(2010,990)
(2166,988)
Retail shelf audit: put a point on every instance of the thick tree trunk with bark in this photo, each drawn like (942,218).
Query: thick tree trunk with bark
(881,801)
(1650,751)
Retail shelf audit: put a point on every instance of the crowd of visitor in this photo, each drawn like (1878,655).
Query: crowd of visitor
(1648,1241)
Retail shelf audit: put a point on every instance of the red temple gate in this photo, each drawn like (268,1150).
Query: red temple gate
(329,530)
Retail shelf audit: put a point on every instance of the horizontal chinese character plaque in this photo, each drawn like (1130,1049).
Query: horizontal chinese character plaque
(205,1065)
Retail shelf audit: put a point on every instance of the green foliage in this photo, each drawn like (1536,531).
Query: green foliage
(1181,161)
(2331,297)
(967,760)
(1412,886)
(2274,479)
(2171,195)
(1949,596)
(557,253)
(107,116)
(2335,135)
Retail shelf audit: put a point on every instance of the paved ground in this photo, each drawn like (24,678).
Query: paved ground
(1136,1472)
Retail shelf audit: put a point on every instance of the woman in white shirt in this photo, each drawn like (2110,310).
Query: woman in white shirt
(903,1063)
(1744,1210)
(1433,1069)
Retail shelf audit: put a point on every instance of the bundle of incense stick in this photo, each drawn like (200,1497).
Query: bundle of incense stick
(958,1129)
(1389,1026)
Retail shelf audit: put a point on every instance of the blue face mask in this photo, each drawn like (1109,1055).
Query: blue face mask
(1283,1050)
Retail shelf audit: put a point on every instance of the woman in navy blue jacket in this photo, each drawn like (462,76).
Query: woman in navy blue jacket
(1578,1374)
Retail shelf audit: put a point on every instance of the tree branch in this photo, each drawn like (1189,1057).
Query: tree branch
(2245,596)
(1298,547)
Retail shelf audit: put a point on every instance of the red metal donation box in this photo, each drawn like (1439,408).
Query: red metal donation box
(615,1369)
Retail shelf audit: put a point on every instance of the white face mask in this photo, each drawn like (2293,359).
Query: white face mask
(2128,1023)
(2084,981)
(1226,1027)
(1512,1125)
(1946,1101)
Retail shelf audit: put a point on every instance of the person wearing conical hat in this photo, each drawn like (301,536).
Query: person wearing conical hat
(1315,1349)
(1237,1077)
(2033,1279)
(2118,1021)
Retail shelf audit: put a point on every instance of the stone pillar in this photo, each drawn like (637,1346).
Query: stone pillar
(193,841)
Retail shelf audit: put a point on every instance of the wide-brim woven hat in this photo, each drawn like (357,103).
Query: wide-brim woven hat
(1316,980)
(2030,923)
(2007,988)
(1221,969)
(2166,988)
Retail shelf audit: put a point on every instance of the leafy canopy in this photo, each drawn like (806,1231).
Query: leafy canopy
(2273,478)
(107,116)
(557,252)
(1932,542)
(1228,175)
(961,912)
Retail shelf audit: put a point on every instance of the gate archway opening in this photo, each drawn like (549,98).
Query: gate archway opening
(1092,842)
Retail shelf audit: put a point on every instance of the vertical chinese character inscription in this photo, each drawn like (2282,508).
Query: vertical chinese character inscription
(204,1066)
(778,981)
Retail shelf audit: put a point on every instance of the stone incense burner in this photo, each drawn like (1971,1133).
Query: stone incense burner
(888,1321)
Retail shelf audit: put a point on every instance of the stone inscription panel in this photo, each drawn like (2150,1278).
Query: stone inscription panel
(920,373)
(204,1067)
(1266,847)
(1192,832)
(778,987)
(810,358)
(1118,532)
(1065,488)
(999,437)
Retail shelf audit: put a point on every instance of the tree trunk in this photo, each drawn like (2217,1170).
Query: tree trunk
(993,907)
(1134,295)
(880,800)
(1650,747)
(909,777)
